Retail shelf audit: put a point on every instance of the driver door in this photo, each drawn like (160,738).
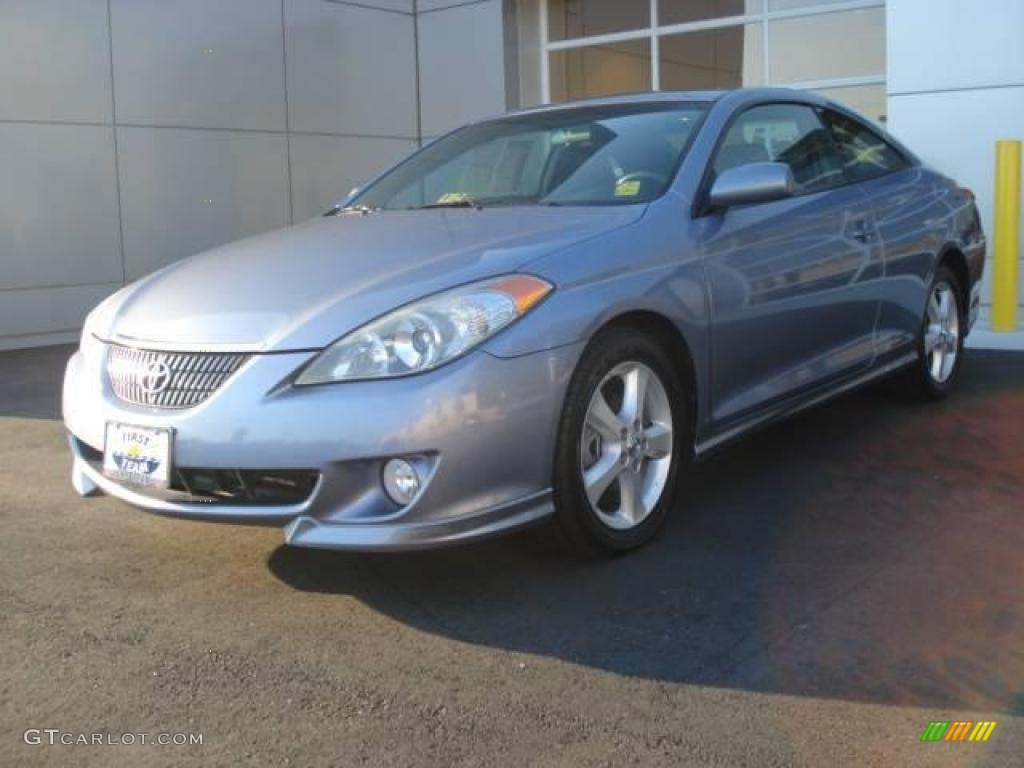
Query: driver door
(791,281)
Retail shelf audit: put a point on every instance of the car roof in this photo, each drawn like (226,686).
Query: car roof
(656,97)
(734,99)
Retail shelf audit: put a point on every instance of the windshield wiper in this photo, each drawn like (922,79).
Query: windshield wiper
(462,202)
(362,209)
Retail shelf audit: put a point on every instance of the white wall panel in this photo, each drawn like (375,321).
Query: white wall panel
(54,60)
(956,133)
(945,44)
(462,65)
(325,168)
(199,63)
(433,5)
(169,175)
(58,206)
(402,6)
(350,69)
(197,104)
(956,86)
(41,313)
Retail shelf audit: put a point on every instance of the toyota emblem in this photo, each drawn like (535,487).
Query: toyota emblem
(155,378)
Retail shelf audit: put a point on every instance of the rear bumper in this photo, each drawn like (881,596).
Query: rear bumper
(483,428)
(975,255)
(975,306)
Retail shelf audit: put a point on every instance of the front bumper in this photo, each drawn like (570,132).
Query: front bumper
(483,428)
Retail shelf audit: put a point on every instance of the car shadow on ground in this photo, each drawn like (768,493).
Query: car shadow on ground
(867,550)
(28,387)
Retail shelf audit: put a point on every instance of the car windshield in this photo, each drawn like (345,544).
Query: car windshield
(601,155)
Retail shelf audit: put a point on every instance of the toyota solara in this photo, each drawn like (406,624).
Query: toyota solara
(543,316)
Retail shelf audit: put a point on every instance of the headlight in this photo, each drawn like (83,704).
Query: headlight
(427,333)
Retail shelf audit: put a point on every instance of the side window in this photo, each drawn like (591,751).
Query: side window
(864,153)
(782,133)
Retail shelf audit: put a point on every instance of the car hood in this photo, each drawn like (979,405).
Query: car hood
(305,286)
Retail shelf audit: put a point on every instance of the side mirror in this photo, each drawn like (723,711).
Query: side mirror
(752,183)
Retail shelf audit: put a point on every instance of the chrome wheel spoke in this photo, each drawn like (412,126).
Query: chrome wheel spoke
(945,304)
(602,474)
(631,505)
(657,441)
(932,337)
(937,363)
(602,419)
(634,394)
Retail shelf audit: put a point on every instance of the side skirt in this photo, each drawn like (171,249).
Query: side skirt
(787,409)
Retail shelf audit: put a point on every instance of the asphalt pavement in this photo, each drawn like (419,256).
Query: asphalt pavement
(827,588)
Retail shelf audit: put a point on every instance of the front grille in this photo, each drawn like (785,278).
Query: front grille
(247,486)
(169,379)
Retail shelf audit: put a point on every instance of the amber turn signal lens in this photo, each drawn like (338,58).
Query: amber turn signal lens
(526,290)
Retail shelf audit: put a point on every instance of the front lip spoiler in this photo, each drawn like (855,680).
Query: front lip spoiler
(310,532)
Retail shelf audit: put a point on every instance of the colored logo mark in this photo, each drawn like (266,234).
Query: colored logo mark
(958,730)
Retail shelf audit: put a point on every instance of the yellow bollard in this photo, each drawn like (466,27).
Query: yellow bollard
(1007,236)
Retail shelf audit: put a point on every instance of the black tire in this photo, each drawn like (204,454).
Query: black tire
(919,381)
(576,521)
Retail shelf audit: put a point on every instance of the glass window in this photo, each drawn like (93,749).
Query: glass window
(827,46)
(731,57)
(869,100)
(504,167)
(591,156)
(864,153)
(583,18)
(782,133)
(685,11)
(600,70)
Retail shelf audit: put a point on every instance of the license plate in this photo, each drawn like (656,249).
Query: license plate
(138,455)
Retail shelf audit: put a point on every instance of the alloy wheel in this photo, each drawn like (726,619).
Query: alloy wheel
(626,445)
(942,334)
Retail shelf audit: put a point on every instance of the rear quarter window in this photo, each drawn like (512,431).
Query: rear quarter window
(864,153)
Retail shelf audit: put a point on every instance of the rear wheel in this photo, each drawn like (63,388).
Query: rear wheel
(621,438)
(941,340)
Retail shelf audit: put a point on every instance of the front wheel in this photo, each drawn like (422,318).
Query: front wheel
(621,440)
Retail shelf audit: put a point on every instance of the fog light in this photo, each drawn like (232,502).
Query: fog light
(401,481)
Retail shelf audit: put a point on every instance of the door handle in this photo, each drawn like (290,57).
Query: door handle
(862,231)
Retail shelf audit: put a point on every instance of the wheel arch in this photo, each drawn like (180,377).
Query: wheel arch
(953,257)
(658,325)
